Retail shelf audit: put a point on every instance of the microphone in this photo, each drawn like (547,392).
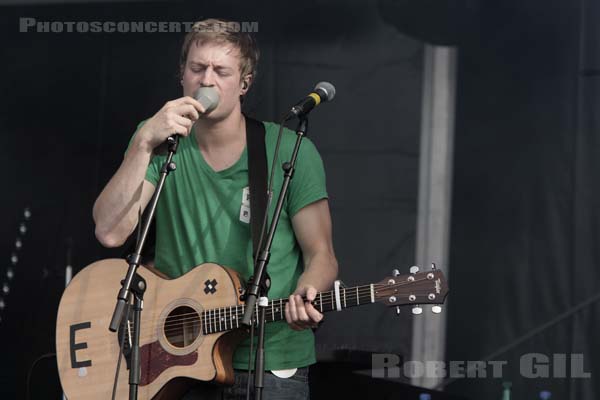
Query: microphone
(324,91)
(208,97)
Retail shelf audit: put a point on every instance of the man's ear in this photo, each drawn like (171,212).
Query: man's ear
(246,82)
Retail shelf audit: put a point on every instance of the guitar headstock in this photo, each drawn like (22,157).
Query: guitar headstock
(416,288)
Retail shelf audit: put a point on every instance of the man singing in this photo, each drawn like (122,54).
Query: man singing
(199,216)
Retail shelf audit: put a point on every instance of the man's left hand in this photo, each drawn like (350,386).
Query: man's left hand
(299,313)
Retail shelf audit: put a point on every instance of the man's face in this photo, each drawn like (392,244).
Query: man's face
(216,65)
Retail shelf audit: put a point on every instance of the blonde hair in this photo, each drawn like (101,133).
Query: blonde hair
(215,30)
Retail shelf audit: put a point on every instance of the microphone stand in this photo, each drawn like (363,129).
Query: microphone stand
(134,286)
(258,285)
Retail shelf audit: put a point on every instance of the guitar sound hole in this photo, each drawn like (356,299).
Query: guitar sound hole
(182,326)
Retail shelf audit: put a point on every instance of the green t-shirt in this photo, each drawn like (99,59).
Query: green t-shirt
(202,216)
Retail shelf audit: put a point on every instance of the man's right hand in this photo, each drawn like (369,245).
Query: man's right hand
(176,116)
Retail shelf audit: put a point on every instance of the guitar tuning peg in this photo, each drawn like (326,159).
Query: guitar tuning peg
(414,269)
(397,310)
(416,310)
(395,272)
(433,266)
(436,309)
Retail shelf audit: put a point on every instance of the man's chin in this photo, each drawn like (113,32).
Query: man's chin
(215,115)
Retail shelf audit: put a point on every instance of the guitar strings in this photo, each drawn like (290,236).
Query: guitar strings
(215,322)
(212,318)
(220,314)
(329,295)
(176,332)
(231,315)
(234,310)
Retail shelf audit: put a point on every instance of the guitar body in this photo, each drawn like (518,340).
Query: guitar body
(190,326)
(171,353)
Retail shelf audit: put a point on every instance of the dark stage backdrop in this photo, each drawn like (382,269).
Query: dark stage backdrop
(525,227)
(70,102)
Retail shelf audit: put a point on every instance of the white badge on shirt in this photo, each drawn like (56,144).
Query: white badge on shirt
(245,207)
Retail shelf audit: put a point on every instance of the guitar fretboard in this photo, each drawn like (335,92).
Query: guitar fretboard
(227,318)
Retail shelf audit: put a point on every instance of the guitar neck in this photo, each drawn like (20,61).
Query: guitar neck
(227,318)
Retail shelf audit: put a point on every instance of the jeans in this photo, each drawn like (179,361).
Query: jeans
(292,388)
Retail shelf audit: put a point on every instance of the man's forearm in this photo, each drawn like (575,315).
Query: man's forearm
(116,209)
(319,272)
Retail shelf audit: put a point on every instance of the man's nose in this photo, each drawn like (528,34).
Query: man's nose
(208,77)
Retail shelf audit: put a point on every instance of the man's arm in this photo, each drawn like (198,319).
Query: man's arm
(312,226)
(117,208)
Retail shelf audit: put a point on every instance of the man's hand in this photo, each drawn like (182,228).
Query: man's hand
(176,116)
(301,314)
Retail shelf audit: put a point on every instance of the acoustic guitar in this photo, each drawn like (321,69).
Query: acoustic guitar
(190,325)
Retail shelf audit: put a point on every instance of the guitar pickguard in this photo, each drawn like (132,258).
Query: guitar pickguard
(155,360)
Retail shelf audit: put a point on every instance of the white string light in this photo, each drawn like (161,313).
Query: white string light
(14,258)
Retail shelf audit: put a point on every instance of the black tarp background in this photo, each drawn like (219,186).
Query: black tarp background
(525,207)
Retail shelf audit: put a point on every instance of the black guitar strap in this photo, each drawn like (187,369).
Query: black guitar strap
(257,177)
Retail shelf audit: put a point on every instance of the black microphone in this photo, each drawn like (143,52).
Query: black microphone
(324,91)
